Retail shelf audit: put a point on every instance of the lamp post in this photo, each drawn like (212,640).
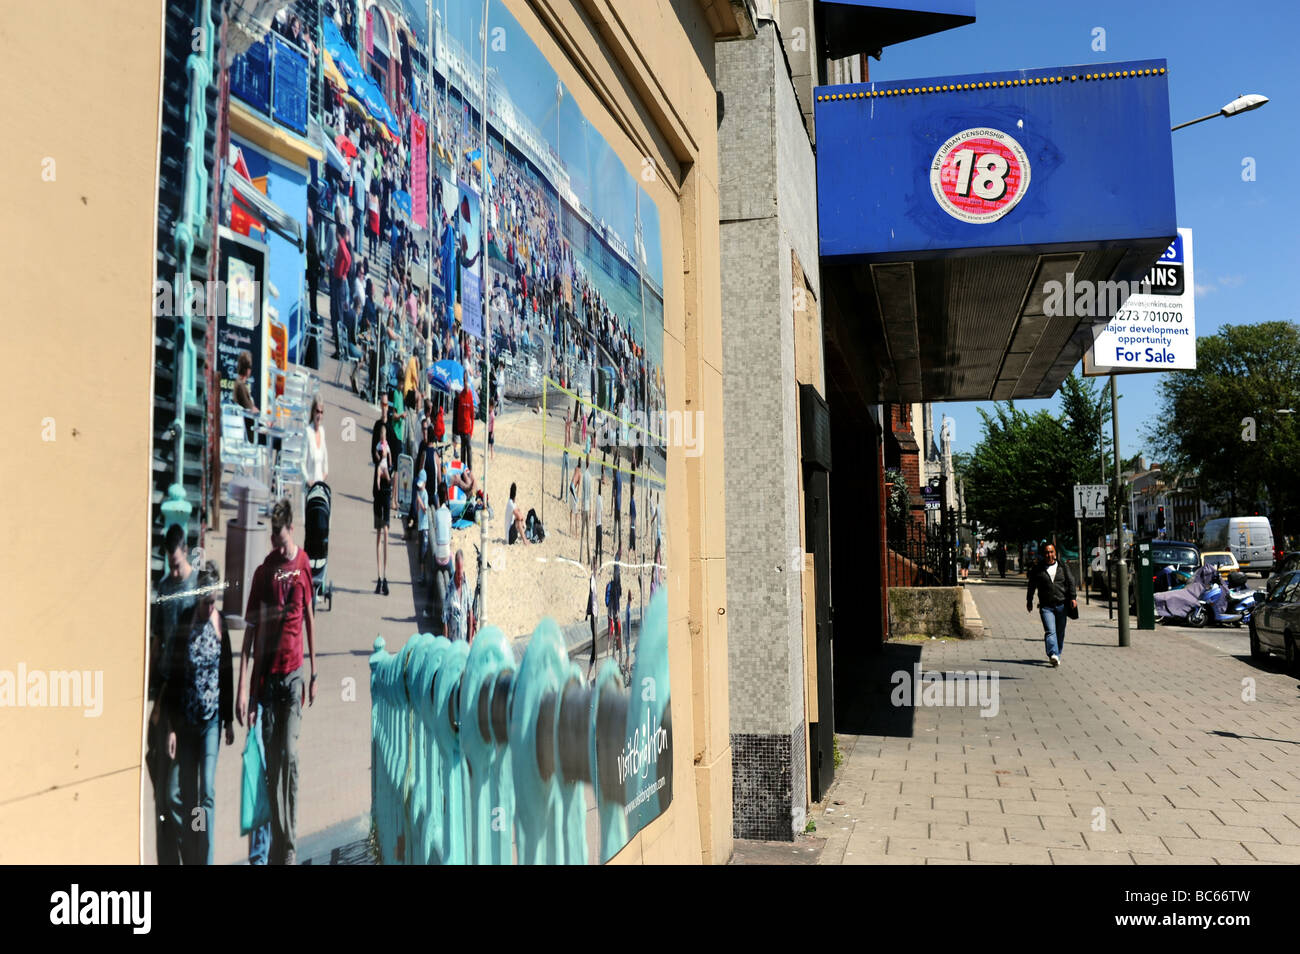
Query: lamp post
(1242,104)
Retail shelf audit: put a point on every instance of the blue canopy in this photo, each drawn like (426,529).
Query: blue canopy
(345,58)
(447,376)
(403,202)
(362,86)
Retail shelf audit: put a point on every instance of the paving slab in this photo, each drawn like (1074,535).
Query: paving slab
(1155,735)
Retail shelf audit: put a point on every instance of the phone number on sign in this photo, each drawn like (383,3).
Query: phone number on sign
(1154,317)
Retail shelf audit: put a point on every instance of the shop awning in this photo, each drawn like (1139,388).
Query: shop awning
(947,206)
(865,26)
(279,221)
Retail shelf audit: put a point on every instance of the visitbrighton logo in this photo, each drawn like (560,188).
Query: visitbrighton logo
(979,175)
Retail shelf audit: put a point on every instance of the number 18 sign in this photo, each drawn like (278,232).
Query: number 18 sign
(979,175)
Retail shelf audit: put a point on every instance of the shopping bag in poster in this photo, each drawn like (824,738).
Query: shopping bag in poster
(255,805)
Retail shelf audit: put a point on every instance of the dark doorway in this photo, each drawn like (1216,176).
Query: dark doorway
(815,426)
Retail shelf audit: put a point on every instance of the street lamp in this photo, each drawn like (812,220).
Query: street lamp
(1242,104)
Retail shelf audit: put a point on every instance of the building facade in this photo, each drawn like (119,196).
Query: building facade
(198,150)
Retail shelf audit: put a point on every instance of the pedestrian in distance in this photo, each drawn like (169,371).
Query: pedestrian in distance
(458,607)
(1053,582)
(564,466)
(243,394)
(422,522)
(597,515)
(618,505)
(382,494)
(591,615)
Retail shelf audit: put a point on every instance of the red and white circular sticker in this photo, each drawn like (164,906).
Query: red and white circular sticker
(979,175)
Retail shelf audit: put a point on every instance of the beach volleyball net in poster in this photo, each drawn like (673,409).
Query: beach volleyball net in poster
(421,576)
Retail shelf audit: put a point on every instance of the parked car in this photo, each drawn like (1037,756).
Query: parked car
(1286,562)
(1249,538)
(1275,626)
(1172,564)
(1223,561)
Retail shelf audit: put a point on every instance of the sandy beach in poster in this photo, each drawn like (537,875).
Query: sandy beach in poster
(528,581)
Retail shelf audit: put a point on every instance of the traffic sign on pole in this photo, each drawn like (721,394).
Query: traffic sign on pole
(1090,501)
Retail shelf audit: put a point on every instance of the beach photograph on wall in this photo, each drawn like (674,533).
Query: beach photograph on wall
(408,550)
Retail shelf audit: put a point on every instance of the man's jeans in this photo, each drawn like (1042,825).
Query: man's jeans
(281,723)
(196,757)
(1053,628)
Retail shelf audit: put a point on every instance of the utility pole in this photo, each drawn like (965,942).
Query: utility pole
(1121,571)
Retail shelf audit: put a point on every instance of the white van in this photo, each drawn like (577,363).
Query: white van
(1250,540)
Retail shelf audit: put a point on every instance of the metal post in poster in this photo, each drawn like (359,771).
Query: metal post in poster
(486,385)
(429,217)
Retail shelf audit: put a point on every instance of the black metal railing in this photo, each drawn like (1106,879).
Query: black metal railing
(922,553)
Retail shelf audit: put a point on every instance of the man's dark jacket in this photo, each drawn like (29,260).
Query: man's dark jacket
(1050,593)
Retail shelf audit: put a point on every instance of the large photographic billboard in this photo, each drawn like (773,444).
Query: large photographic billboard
(416,611)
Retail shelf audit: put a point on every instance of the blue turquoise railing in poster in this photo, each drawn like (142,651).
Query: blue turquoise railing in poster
(479,760)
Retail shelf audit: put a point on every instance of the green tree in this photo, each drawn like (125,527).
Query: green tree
(1228,420)
(1016,474)
(1020,478)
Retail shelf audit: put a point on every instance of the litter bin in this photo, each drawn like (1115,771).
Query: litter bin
(248,541)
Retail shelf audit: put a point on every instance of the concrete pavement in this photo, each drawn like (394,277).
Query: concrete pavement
(1171,751)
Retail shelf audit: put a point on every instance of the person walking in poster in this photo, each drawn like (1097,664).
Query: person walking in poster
(197,704)
(279,614)
(464,424)
(171,611)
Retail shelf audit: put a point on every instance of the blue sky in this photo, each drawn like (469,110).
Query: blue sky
(1247,243)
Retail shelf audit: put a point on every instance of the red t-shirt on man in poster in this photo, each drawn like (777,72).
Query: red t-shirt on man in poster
(465,411)
(279,596)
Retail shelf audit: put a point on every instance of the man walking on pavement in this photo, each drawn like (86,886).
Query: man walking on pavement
(1054,584)
(279,613)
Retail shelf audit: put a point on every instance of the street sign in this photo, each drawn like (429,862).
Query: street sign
(1090,501)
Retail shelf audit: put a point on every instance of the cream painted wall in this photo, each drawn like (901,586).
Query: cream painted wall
(76,260)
